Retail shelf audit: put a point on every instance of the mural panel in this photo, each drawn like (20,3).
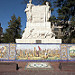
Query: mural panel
(64,52)
(71,51)
(37,52)
(12,52)
(4,51)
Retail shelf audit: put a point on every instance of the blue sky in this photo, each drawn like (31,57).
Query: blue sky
(10,7)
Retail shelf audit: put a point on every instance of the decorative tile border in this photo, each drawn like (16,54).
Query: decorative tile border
(12,52)
(4,51)
(71,52)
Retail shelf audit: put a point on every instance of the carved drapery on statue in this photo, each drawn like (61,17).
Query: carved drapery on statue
(38,13)
(48,12)
(29,12)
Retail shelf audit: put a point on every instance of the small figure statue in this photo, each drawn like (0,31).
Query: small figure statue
(29,12)
(48,11)
(30,1)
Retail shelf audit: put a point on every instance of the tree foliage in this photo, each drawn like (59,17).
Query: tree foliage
(66,12)
(66,9)
(13,31)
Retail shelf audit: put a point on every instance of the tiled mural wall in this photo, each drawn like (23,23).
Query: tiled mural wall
(4,51)
(37,51)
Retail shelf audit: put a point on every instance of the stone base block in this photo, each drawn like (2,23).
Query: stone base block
(38,41)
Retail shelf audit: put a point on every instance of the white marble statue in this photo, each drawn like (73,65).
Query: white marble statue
(37,26)
(30,1)
(28,11)
(36,13)
(48,12)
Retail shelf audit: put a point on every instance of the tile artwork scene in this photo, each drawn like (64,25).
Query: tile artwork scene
(37,51)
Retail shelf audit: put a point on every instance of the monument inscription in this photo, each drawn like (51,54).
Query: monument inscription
(38,41)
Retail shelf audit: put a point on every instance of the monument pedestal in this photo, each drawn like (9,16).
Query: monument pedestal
(38,41)
(38,28)
(38,33)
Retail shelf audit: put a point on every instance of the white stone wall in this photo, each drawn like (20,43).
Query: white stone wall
(38,14)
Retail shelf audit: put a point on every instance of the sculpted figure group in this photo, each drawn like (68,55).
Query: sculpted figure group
(28,11)
(38,34)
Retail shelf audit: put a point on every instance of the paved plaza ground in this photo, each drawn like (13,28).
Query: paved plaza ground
(22,71)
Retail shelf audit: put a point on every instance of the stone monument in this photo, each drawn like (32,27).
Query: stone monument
(38,28)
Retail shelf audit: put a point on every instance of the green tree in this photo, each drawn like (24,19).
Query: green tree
(13,31)
(66,8)
(66,12)
(53,19)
